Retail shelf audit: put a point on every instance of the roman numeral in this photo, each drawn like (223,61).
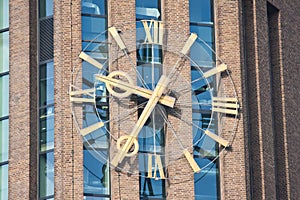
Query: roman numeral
(91,128)
(114,33)
(157,166)
(191,161)
(217,138)
(90,60)
(189,43)
(225,105)
(158,31)
(88,92)
(215,70)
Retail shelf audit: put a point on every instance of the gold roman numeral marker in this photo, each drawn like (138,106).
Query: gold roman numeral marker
(157,165)
(113,31)
(189,43)
(90,60)
(225,105)
(91,128)
(88,92)
(191,161)
(217,138)
(158,31)
(215,70)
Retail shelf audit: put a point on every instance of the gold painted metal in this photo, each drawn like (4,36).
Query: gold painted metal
(189,43)
(135,143)
(158,91)
(217,138)
(191,161)
(146,93)
(90,60)
(158,31)
(157,165)
(113,31)
(91,128)
(225,105)
(215,70)
(89,92)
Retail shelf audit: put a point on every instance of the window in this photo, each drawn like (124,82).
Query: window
(206,183)
(45,8)
(96,153)
(46,131)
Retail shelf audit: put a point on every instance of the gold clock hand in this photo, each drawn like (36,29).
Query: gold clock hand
(157,93)
(165,100)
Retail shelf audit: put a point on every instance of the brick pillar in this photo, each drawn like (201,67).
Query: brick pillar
(68,152)
(23,101)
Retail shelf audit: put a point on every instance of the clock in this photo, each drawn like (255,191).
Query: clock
(147,99)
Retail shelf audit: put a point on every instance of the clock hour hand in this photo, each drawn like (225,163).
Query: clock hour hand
(157,93)
(130,88)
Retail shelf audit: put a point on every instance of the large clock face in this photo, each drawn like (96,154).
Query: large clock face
(148,98)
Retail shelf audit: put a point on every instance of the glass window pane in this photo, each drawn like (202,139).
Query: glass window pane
(46,84)
(46,178)
(4,15)
(96,7)
(200,11)
(148,9)
(95,198)
(47,128)
(92,27)
(4,182)
(4,52)
(4,140)
(4,95)
(46,8)
(206,182)
(95,181)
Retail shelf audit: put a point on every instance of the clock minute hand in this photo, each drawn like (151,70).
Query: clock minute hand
(157,93)
(164,99)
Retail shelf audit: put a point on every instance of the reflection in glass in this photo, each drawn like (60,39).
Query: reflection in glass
(4,51)
(4,15)
(201,11)
(96,173)
(92,26)
(4,140)
(206,181)
(4,95)
(147,9)
(46,174)
(46,84)
(96,7)
(46,8)
(47,128)
(4,181)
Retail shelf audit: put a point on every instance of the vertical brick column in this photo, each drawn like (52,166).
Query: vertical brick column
(234,182)
(260,124)
(23,101)
(121,14)
(68,152)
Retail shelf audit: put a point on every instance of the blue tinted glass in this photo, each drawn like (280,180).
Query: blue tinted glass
(206,182)
(46,8)
(4,182)
(148,9)
(4,14)
(92,27)
(4,140)
(46,84)
(47,128)
(95,198)
(46,178)
(4,95)
(151,188)
(96,174)
(96,7)
(202,52)
(4,52)
(201,11)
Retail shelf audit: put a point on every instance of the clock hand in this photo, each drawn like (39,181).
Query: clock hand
(157,93)
(146,93)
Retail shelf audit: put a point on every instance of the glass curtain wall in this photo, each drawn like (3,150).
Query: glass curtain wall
(4,97)
(206,182)
(46,101)
(151,138)
(95,167)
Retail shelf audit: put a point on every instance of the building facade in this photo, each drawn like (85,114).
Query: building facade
(49,53)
